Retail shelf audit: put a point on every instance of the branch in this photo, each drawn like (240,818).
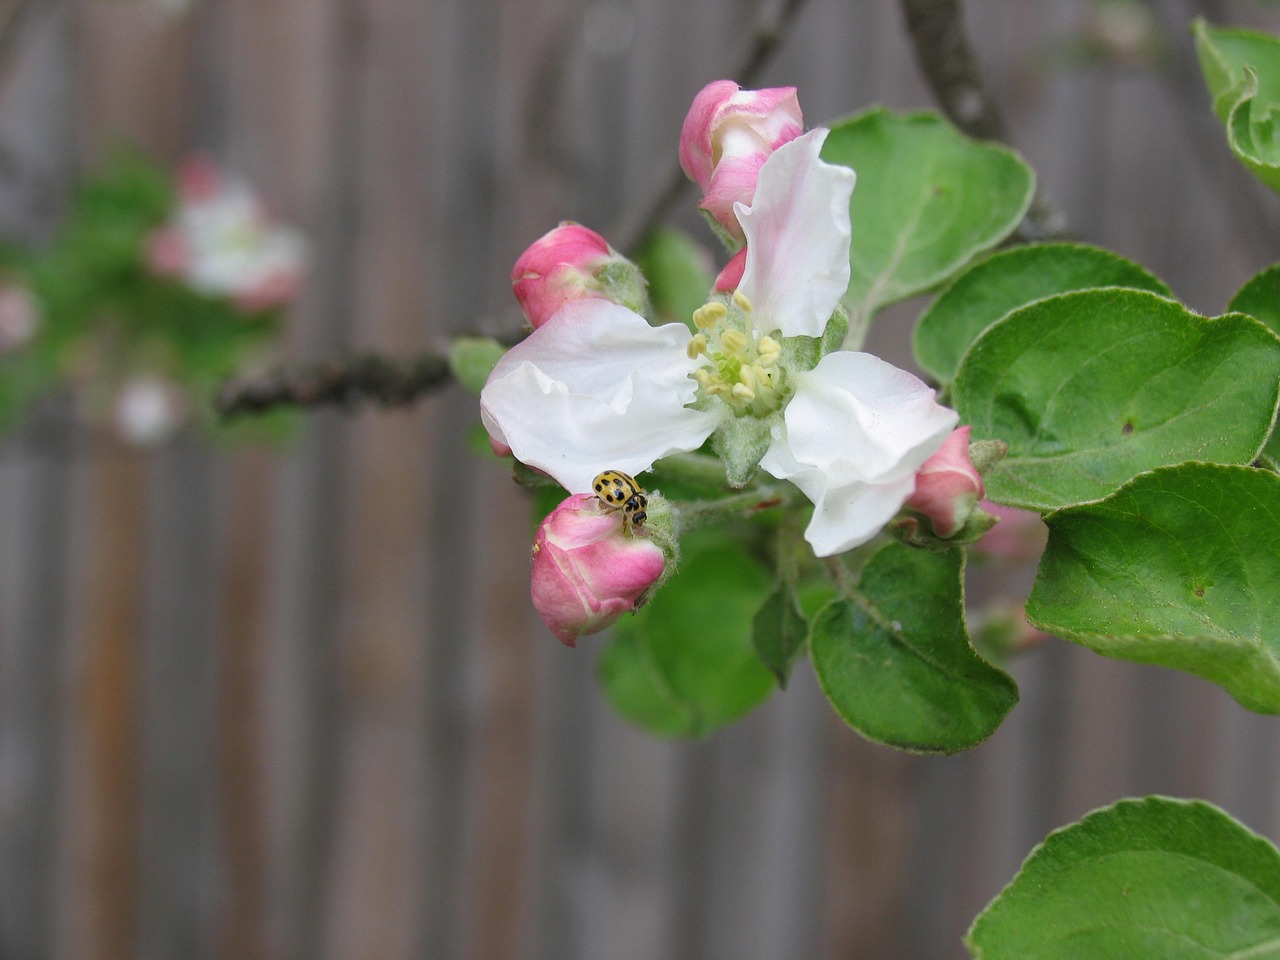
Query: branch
(936,29)
(774,20)
(344,384)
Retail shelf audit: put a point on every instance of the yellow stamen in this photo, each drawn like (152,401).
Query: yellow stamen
(741,301)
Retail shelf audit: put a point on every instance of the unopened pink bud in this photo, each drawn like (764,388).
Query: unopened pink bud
(558,268)
(586,572)
(948,486)
(727,136)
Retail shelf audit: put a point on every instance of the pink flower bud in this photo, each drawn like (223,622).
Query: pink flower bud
(727,136)
(586,572)
(948,486)
(558,268)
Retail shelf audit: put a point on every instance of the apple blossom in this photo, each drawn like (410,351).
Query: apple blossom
(948,486)
(586,571)
(596,386)
(572,263)
(222,242)
(726,138)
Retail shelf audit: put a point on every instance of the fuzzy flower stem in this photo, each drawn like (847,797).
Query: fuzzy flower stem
(700,513)
(692,468)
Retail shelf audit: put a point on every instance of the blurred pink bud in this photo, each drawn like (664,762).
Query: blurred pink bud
(586,572)
(167,252)
(558,268)
(499,448)
(727,136)
(19,317)
(1019,537)
(948,486)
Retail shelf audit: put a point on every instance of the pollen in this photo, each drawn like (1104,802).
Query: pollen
(741,368)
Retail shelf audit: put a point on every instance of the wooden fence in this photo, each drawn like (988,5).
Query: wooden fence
(295,704)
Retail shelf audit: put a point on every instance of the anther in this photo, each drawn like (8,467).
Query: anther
(740,299)
(733,341)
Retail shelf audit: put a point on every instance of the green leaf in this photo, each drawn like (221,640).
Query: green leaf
(1242,70)
(779,632)
(1179,568)
(1091,388)
(896,662)
(1260,298)
(1140,880)
(1008,280)
(679,273)
(928,199)
(684,665)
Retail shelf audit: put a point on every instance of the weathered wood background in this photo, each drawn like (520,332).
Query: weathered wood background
(295,705)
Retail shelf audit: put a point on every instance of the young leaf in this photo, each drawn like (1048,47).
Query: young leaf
(896,661)
(778,632)
(684,665)
(928,199)
(1008,280)
(1156,877)
(1242,70)
(1179,568)
(1091,388)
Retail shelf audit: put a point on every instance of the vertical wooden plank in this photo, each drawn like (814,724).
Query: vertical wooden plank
(37,139)
(131,91)
(289,70)
(177,870)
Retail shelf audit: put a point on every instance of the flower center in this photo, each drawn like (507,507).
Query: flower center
(741,367)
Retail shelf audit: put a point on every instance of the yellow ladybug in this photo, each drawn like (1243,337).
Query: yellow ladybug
(618,491)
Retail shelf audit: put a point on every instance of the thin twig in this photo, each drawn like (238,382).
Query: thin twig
(388,383)
(774,21)
(936,29)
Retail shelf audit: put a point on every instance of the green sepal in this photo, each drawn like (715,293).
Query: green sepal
(914,530)
(741,443)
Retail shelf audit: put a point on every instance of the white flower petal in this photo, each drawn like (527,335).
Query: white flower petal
(797,231)
(855,416)
(855,433)
(595,388)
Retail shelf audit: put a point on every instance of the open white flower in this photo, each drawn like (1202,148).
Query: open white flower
(597,387)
